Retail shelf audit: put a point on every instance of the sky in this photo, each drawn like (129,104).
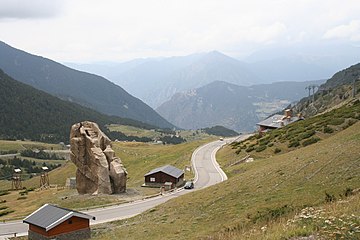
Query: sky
(86,31)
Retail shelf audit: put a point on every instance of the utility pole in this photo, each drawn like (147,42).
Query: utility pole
(313,91)
(308,88)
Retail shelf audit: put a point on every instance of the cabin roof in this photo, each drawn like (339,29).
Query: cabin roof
(276,120)
(167,169)
(49,216)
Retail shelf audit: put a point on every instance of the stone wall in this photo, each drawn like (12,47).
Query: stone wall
(78,235)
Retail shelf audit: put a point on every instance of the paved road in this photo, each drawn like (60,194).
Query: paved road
(207,173)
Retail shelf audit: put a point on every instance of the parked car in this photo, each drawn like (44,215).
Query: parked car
(189,185)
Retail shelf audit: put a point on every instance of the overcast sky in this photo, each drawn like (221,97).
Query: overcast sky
(118,30)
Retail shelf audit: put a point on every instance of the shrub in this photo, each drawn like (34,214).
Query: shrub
(249,149)
(271,214)
(348,192)
(2,193)
(329,197)
(350,123)
(336,121)
(294,143)
(277,150)
(3,213)
(238,151)
(307,134)
(264,141)
(328,129)
(310,141)
(260,148)
(270,144)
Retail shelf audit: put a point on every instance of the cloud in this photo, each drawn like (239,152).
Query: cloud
(26,9)
(93,30)
(350,31)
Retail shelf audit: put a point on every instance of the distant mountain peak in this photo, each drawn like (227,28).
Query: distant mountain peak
(216,55)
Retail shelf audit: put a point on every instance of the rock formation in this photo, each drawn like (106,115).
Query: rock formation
(98,170)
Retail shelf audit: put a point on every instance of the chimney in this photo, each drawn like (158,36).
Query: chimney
(288,113)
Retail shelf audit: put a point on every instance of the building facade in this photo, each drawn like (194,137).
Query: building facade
(53,222)
(159,176)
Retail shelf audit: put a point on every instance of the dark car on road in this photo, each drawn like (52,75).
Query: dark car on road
(189,185)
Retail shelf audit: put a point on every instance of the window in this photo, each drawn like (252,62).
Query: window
(152,179)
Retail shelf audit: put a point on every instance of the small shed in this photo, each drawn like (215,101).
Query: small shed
(53,222)
(159,176)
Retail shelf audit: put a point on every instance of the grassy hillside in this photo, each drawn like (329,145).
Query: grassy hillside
(138,158)
(296,135)
(264,199)
(17,146)
(157,134)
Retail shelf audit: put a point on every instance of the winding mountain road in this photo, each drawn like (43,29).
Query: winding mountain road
(207,173)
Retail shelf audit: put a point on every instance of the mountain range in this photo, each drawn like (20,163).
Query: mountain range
(156,80)
(233,106)
(161,78)
(75,86)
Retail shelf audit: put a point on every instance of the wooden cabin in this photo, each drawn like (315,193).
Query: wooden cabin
(53,222)
(165,174)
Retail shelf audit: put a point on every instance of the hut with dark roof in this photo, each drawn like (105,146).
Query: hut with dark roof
(278,121)
(53,222)
(165,174)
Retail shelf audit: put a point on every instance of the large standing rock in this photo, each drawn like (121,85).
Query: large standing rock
(98,170)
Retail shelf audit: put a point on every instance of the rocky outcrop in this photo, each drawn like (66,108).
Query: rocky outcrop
(98,170)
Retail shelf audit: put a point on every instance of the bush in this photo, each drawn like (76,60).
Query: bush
(328,129)
(307,134)
(329,197)
(277,150)
(348,192)
(271,214)
(2,193)
(336,121)
(294,144)
(249,149)
(260,148)
(349,123)
(310,141)
(270,144)
(3,213)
